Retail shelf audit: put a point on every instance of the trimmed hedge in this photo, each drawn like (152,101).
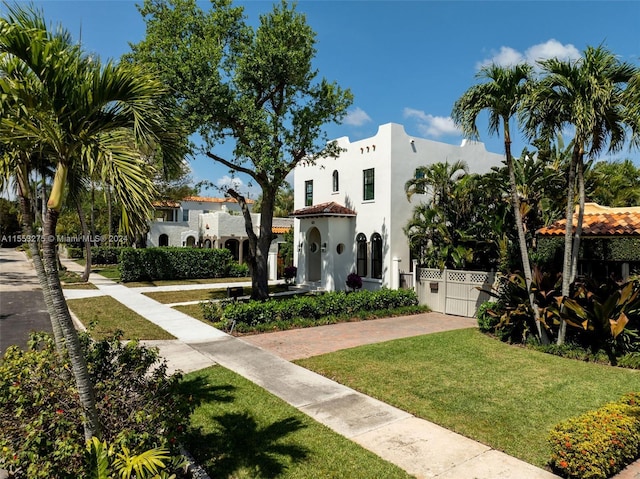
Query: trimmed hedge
(105,254)
(599,443)
(337,303)
(152,264)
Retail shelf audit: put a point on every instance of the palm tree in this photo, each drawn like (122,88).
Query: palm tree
(501,95)
(589,96)
(614,183)
(80,114)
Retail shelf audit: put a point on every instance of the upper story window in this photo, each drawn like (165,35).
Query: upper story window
(376,256)
(361,254)
(336,181)
(185,215)
(368,184)
(419,184)
(308,193)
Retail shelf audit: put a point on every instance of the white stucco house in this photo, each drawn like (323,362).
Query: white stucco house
(198,221)
(350,211)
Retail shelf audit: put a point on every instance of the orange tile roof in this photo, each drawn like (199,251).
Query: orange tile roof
(278,230)
(206,199)
(165,204)
(324,209)
(600,224)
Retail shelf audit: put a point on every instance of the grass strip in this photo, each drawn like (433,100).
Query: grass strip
(171,282)
(504,396)
(239,430)
(168,297)
(104,315)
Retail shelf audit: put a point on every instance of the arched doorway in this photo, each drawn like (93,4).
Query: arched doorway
(163,240)
(233,246)
(191,241)
(314,261)
(207,243)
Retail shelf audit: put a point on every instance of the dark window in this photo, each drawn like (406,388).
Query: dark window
(336,181)
(420,189)
(361,254)
(376,256)
(163,240)
(368,183)
(185,215)
(308,193)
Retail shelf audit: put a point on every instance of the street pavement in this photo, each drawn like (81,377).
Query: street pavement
(22,307)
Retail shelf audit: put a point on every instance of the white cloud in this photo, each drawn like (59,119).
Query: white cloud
(432,126)
(228,182)
(552,48)
(357,117)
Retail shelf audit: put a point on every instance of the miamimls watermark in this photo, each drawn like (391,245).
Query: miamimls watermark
(37,238)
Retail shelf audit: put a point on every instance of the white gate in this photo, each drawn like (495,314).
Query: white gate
(453,291)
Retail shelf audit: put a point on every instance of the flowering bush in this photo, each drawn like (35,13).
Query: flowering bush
(354,281)
(139,406)
(599,443)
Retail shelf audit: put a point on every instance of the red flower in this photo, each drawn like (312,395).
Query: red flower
(563,464)
(59,411)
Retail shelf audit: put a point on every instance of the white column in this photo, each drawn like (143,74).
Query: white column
(273,265)
(395,273)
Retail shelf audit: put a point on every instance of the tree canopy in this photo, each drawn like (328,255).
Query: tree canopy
(252,88)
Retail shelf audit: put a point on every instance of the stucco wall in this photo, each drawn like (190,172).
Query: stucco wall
(395,156)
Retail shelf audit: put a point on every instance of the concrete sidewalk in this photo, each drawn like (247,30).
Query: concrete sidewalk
(417,446)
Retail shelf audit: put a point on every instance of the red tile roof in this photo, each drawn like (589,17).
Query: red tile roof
(324,209)
(601,221)
(166,204)
(206,199)
(278,230)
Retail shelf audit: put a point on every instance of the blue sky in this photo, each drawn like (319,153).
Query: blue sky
(405,61)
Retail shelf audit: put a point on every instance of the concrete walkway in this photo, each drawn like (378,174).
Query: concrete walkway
(417,446)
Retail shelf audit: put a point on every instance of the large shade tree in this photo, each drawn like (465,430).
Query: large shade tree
(82,116)
(254,90)
(500,93)
(587,96)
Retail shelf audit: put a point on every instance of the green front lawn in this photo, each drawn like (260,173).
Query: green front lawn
(505,396)
(239,430)
(105,315)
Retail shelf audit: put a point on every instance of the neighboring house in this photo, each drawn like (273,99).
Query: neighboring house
(351,210)
(211,223)
(610,244)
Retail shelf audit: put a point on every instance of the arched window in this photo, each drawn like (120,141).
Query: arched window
(376,256)
(361,254)
(163,240)
(336,181)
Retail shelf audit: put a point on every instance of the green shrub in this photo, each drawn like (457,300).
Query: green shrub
(599,443)
(337,303)
(487,316)
(630,360)
(237,270)
(105,254)
(151,264)
(75,253)
(139,406)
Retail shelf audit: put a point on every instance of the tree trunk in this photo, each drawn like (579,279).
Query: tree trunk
(60,311)
(522,241)
(568,233)
(110,229)
(93,214)
(258,245)
(578,234)
(85,240)
(28,231)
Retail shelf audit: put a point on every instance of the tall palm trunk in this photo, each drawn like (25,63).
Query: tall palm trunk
(578,234)
(568,237)
(29,232)
(522,241)
(60,311)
